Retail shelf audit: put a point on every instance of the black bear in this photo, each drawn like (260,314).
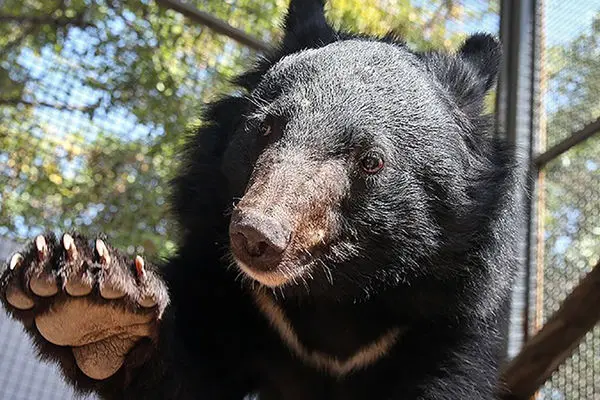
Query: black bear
(349,231)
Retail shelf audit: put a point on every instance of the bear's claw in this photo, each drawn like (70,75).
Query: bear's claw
(102,252)
(139,266)
(14,295)
(70,248)
(15,261)
(42,248)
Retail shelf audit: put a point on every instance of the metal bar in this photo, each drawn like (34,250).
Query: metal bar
(574,139)
(538,193)
(517,119)
(506,81)
(215,24)
(538,85)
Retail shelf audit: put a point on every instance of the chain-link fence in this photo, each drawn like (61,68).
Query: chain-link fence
(568,202)
(95,98)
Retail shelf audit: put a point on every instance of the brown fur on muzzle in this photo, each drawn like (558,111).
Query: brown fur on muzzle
(287,215)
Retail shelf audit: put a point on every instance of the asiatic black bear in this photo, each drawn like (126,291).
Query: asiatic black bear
(349,232)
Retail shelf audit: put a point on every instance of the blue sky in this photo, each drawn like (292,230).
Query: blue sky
(568,18)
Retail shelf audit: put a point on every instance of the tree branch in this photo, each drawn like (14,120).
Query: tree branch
(78,20)
(556,341)
(61,107)
(17,41)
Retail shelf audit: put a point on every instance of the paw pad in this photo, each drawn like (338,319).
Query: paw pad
(43,286)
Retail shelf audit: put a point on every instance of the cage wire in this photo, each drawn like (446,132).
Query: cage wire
(569,195)
(94,103)
(90,117)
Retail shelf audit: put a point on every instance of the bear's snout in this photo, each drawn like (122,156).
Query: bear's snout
(287,217)
(258,240)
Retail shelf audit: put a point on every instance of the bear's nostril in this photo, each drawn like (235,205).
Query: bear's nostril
(257,249)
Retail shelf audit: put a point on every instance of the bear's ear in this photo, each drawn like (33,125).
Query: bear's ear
(469,74)
(305,26)
(484,53)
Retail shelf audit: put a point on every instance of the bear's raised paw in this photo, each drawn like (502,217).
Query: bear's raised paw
(84,296)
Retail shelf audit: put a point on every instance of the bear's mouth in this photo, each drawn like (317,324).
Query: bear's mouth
(283,274)
(273,269)
(274,248)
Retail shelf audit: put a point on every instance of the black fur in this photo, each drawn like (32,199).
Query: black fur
(428,244)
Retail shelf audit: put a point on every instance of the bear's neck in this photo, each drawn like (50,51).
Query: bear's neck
(337,337)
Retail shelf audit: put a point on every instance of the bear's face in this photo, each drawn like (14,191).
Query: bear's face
(356,165)
(341,161)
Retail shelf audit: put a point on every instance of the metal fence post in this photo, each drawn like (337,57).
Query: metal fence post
(517,119)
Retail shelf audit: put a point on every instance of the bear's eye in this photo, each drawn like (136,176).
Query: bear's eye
(269,126)
(266,127)
(371,163)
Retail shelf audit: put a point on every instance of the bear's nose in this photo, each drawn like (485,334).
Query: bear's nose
(258,239)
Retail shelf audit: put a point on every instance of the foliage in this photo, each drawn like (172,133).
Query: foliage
(573,180)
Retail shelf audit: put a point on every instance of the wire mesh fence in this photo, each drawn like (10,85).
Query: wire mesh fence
(569,202)
(571,231)
(95,98)
(572,73)
(91,117)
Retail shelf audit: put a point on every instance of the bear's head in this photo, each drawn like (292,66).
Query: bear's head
(359,165)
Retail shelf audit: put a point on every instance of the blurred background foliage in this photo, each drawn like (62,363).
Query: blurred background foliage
(572,181)
(569,186)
